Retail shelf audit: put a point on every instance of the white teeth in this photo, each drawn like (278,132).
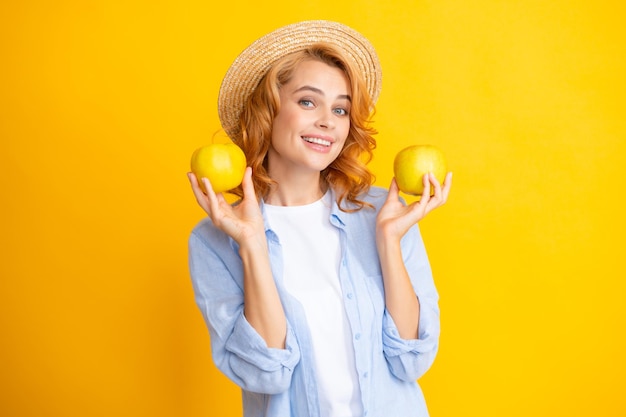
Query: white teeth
(317,141)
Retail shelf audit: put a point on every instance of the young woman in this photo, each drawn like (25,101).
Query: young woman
(315,285)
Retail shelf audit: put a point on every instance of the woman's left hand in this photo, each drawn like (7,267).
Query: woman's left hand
(396,218)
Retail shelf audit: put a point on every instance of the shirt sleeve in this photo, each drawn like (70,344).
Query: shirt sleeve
(237,349)
(410,359)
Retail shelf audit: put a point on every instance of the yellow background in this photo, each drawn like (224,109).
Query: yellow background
(103,102)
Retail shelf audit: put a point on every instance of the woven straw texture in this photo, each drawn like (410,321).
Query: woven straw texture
(252,64)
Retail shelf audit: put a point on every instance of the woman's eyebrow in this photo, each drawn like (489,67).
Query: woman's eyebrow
(320,92)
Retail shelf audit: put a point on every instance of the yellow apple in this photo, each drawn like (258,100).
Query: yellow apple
(412,162)
(222,163)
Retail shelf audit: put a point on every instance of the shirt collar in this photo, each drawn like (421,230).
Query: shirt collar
(337,217)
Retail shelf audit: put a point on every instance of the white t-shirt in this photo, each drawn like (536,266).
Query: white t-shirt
(311,254)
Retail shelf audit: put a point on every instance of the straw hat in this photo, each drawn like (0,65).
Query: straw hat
(252,64)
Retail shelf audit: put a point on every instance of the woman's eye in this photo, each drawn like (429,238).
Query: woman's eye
(341,111)
(306,103)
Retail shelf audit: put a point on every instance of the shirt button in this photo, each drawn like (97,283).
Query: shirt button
(365,375)
(357,336)
(349,296)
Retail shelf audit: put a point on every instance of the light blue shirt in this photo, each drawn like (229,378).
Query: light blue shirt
(282,382)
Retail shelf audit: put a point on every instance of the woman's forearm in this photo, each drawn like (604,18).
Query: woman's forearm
(400,299)
(262,306)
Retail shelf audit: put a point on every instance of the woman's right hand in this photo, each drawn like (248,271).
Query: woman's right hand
(242,221)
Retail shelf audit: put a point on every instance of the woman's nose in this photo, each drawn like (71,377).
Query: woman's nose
(325,119)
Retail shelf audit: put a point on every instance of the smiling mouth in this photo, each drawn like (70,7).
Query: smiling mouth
(317,141)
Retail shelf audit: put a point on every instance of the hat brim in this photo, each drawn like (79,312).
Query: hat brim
(254,62)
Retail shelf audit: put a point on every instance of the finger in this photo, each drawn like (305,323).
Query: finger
(447,184)
(213,201)
(436,186)
(441,194)
(192,180)
(195,183)
(436,199)
(425,197)
(247,184)
(217,203)
(393,190)
(201,197)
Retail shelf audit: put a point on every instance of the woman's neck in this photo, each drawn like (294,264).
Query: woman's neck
(296,191)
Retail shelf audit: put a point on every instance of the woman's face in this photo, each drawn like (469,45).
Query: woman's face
(313,122)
